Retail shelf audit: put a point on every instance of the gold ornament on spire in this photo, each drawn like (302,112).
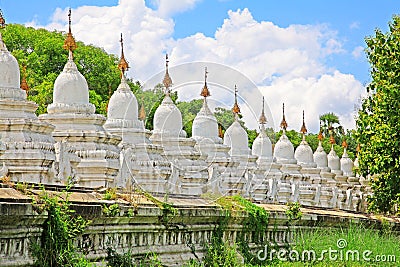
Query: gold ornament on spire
(236,108)
(303,129)
(344,143)
(167,81)
(2,20)
(332,139)
(123,64)
(142,112)
(284,124)
(263,119)
(24,85)
(205,92)
(320,136)
(69,43)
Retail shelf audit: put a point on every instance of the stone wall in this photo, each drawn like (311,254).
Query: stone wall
(175,240)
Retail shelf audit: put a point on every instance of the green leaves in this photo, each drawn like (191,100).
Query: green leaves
(378,122)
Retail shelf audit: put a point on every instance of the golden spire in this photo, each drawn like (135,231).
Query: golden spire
(220,133)
(69,43)
(284,124)
(123,64)
(24,85)
(142,112)
(236,108)
(263,119)
(205,92)
(2,20)
(344,143)
(332,139)
(167,81)
(320,136)
(303,129)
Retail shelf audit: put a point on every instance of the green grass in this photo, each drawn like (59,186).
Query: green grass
(358,238)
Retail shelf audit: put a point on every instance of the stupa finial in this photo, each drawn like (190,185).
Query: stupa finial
(303,129)
(167,81)
(236,108)
(142,111)
(24,85)
(205,92)
(123,64)
(263,118)
(284,124)
(2,19)
(69,43)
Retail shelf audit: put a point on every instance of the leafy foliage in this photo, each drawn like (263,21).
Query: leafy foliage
(378,123)
(42,53)
(62,226)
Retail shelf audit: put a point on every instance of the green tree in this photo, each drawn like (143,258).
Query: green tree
(42,53)
(378,122)
(189,111)
(330,123)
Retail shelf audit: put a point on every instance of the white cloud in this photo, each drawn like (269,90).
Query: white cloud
(170,7)
(354,25)
(358,52)
(286,63)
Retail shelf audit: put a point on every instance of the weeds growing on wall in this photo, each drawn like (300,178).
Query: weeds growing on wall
(115,259)
(56,247)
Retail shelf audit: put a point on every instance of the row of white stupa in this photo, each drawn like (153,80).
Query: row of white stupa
(71,141)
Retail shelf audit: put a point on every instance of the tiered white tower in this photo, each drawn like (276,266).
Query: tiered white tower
(141,163)
(189,174)
(77,124)
(321,159)
(267,174)
(284,154)
(26,146)
(237,139)
(206,133)
(305,158)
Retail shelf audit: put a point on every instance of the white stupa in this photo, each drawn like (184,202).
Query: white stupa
(189,170)
(237,139)
(267,172)
(235,136)
(141,163)
(326,176)
(76,122)
(206,132)
(304,153)
(27,150)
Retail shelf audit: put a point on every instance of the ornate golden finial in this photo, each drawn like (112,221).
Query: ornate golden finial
(123,64)
(236,108)
(167,81)
(344,143)
(205,92)
(320,136)
(220,133)
(24,85)
(2,20)
(284,124)
(332,139)
(69,43)
(263,119)
(142,112)
(303,129)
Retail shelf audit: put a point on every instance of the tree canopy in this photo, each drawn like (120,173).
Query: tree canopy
(41,53)
(378,123)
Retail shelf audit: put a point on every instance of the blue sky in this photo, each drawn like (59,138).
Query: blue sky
(203,30)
